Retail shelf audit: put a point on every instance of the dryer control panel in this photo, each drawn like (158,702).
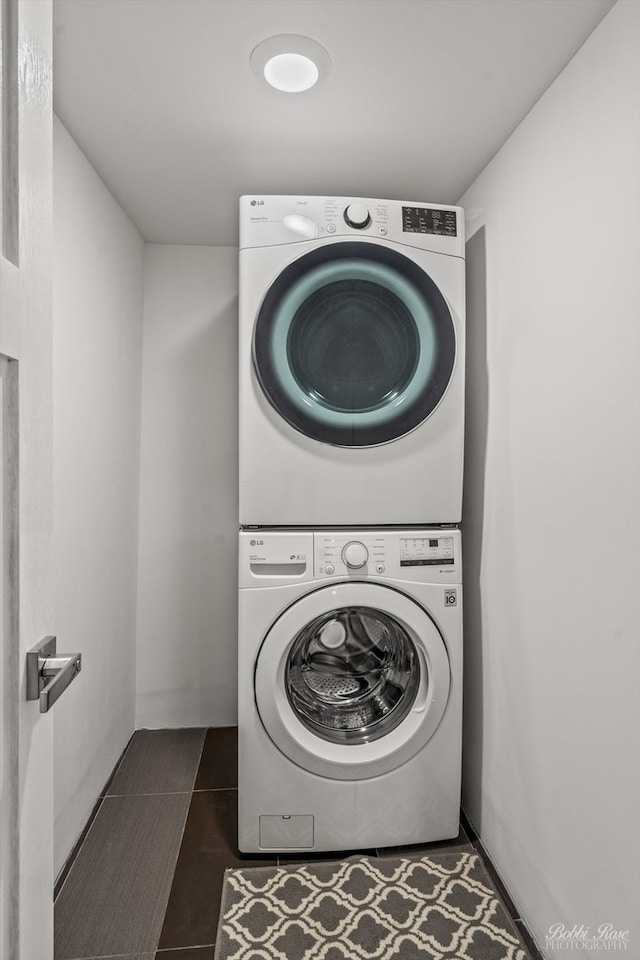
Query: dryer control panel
(273,220)
(419,555)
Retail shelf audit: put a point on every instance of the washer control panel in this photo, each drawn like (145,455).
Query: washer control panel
(339,554)
(423,555)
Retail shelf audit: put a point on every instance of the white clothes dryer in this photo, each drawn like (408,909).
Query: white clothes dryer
(351,348)
(350,688)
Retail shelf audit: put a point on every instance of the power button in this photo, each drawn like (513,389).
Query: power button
(379,567)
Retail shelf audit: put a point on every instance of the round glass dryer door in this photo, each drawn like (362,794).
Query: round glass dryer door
(352,680)
(354,344)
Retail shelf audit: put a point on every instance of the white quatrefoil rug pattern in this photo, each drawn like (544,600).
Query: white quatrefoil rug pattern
(442,907)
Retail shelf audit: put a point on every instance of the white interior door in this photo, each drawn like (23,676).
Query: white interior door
(26,754)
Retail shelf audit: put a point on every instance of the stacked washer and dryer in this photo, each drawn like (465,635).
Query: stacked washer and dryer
(351,348)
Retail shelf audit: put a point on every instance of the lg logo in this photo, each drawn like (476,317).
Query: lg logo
(256,543)
(257,203)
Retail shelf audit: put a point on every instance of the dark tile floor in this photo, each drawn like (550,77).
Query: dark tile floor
(145,881)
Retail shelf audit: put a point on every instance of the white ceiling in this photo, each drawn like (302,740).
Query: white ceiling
(161,97)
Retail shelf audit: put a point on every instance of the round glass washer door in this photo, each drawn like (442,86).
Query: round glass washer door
(354,344)
(352,680)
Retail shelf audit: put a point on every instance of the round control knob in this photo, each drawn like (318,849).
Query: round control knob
(357,215)
(355,554)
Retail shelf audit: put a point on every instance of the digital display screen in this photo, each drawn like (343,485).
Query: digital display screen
(426,552)
(428,562)
(441,223)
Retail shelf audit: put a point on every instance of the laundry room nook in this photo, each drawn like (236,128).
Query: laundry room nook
(320,406)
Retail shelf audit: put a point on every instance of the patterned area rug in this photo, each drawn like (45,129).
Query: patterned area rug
(442,907)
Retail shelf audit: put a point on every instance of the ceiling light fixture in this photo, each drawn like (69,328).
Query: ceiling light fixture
(290,63)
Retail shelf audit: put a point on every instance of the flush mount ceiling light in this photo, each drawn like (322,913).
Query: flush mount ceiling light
(290,63)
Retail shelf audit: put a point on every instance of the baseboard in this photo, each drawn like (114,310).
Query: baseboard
(66,867)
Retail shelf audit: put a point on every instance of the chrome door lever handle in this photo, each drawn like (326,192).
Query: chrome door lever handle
(48,673)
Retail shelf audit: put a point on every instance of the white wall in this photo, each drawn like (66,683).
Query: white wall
(187,619)
(98,290)
(551,521)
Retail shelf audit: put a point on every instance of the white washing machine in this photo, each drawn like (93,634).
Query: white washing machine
(350,688)
(351,342)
